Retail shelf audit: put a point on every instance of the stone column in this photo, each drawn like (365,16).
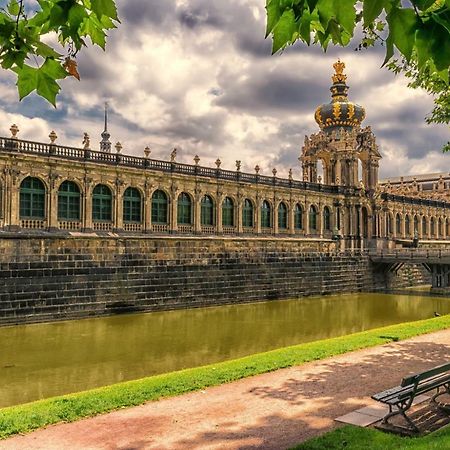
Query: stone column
(257,215)
(52,203)
(307,230)
(220,198)
(275,216)
(239,206)
(147,201)
(291,221)
(197,211)
(118,206)
(87,204)
(173,204)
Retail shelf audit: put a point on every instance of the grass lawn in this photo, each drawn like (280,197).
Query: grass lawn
(357,438)
(67,408)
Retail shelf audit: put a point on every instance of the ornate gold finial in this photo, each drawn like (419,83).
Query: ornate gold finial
(339,76)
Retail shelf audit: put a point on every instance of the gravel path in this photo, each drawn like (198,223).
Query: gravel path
(270,411)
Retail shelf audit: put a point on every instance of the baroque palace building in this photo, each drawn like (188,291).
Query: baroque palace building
(54,188)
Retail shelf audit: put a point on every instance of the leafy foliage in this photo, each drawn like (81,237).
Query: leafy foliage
(25,35)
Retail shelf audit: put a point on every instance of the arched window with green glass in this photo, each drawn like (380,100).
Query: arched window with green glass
(398,224)
(132,205)
(207,211)
(298,217)
(312,218)
(228,212)
(32,199)
(282,216)
(407,225)
(247,214)
(102,203)
(326,219)
(266,215)
(69,201)
(424,226)
(160,207)
(184,209)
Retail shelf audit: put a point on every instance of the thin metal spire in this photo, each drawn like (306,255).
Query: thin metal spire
(106,116)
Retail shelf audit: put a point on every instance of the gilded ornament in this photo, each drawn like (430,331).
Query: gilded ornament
(336,110)
(351,110)
(339,76)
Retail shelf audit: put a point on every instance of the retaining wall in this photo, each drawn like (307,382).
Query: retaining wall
(51,278)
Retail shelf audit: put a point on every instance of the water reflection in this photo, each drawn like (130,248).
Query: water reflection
(39,361)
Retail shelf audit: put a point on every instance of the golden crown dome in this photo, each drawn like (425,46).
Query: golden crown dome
(340,112)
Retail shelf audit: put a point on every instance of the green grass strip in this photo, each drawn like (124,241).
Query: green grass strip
(357,438)
(68,408)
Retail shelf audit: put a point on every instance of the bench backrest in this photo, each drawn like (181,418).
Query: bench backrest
(414,379)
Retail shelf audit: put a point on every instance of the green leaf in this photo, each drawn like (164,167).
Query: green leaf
(47,87)
(14,8)
(283,31)
(346,14)
(441,21)
(402,24)
(76,16)
(441,49)
(46,51)
(273,15)
(53,69)
(104,8)
(423,4)
(371,10)
(389,50)
(305,26)
(325,9)
(26,80)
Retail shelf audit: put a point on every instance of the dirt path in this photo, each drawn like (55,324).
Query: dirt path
(271,411)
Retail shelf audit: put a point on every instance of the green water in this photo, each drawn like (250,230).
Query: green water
(43,360)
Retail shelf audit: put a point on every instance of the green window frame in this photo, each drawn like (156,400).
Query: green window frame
(69,201)
(282,216)
(132,205)
(102,204)
(228,212)
(32,199)
(247,214)
(207,211)
(184,215)
(265,215)
(326,219)
(298,217)
(312,218)
(160,207)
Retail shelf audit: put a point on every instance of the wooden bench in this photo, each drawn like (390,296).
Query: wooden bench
(400,398)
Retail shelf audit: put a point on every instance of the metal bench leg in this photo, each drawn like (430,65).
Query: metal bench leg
(402,411)
(439,392)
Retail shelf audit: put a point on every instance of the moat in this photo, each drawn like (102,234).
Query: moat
(44,360)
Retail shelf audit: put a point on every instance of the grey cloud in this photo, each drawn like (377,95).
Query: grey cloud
(139,12)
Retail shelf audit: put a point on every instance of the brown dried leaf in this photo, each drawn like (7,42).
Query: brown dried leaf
(71,66)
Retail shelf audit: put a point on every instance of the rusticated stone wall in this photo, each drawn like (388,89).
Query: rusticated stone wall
(51,278)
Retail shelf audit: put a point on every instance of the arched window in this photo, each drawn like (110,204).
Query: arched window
(159,207)
(365,222)
(424,226)
(32,199)
(184,209)
(416,225)
(69,200)
(207,211)
(390,225)
(326,219)
(132,205)
(312,218)
(433,226)
(247,213)
(102,203)
(265,215)
(298,217)
(407,225)
(440,228)
(228,212)
(398,224)
(282,216)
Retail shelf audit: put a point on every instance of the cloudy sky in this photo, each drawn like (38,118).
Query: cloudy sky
(198,75)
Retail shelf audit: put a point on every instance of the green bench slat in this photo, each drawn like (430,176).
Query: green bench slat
(424,375)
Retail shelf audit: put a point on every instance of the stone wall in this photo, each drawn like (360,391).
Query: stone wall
(51,278)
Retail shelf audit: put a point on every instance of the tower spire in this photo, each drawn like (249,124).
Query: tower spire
(105,144)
